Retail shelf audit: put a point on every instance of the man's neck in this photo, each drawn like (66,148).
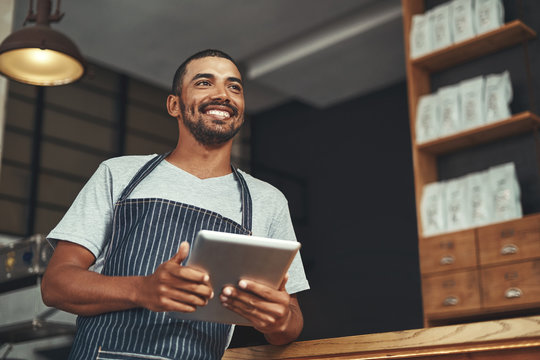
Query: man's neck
(200,160)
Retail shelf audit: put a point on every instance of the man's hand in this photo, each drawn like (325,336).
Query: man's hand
(173,287)
(273,312)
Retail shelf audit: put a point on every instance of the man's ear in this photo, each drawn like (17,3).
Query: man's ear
(173,105)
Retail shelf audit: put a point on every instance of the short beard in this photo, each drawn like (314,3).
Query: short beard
(206,135)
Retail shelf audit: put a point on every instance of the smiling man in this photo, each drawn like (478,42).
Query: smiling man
(121,246)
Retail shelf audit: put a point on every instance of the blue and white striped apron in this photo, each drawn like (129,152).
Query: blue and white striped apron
(146,233)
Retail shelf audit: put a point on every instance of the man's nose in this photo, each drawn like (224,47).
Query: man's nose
(220,93)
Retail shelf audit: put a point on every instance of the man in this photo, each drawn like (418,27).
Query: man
(137,216)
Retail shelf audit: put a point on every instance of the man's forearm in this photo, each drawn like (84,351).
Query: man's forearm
(292,330)
(84,292)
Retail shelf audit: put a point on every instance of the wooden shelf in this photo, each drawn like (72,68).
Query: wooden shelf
(510,34)
(517,124)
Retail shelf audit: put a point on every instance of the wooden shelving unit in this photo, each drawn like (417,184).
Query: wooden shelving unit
(510,34)
(517,124)
(463,284)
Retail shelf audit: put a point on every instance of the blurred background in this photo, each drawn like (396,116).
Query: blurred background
(327,124)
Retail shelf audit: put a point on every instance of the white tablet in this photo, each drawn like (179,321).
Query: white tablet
(231,257)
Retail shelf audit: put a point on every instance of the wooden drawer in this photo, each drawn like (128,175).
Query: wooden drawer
(448,252)
(509,241)
(511,285)
(453,292)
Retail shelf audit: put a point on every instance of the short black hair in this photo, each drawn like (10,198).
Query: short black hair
(181,71)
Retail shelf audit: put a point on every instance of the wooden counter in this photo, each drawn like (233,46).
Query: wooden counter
(515,339)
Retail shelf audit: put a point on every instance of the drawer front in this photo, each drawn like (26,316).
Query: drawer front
(509,241)
(448,252)
(511,285)
(451,292)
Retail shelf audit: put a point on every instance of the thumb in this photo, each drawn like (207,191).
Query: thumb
(182,254)
(283,282)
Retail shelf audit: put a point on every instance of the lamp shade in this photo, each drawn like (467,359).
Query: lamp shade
(39,55)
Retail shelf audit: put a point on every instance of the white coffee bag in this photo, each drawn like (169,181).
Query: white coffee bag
(427,118)
(457,213)
(480,199)
(442,31)
(498,95)
(462,19)
(471,93)
(450,120)
(506,192)
(432,209)
(488,15)
(420,36)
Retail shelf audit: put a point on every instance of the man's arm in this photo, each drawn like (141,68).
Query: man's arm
(69,285)
(273,312)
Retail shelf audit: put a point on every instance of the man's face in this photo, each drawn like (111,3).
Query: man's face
(212,100)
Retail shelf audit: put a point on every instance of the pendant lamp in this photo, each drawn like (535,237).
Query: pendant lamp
(39,55)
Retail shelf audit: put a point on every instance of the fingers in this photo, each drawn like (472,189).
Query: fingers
(253,304)
(188,273)
(181,254)
(284,282)
(185,297)
(266,308)
(264,291)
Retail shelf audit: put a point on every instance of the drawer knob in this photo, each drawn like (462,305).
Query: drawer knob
(509,249)
(513,293)
(450,301)
(447,260)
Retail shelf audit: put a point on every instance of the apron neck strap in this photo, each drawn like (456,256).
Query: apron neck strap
(147,168)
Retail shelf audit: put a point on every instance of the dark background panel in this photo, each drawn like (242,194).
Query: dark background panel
(347,172)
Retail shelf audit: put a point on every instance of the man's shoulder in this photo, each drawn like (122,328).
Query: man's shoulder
(261,189)
(126,162)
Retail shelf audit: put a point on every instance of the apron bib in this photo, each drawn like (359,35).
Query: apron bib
(147,232)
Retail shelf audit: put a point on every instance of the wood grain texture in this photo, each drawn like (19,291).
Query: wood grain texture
(522,276)
(510,241)
(448,252)
(462,287)
(491,338)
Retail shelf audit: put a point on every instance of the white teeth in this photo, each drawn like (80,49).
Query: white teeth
(219,113)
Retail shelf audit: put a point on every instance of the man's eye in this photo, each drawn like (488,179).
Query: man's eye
(236,88)
(203,83)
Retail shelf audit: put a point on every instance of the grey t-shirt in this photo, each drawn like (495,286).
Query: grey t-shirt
(88,220)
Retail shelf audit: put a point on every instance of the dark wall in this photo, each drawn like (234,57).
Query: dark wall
(347,173)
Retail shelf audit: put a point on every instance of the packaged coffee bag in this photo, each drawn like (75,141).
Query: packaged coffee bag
(450,120)
(480,199)
(432,209)
(506,192)
(471,94)
(420,36)
(462,20)
(442,31)
(498,95)
(488,15)
(427,118)
(457,214)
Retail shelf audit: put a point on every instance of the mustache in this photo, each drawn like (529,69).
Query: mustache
(233,108)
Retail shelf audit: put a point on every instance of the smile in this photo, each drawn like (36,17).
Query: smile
(219,114)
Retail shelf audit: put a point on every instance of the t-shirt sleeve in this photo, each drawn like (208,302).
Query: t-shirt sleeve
(88,221)
(282,228)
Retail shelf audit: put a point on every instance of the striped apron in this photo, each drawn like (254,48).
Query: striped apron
(147,232)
